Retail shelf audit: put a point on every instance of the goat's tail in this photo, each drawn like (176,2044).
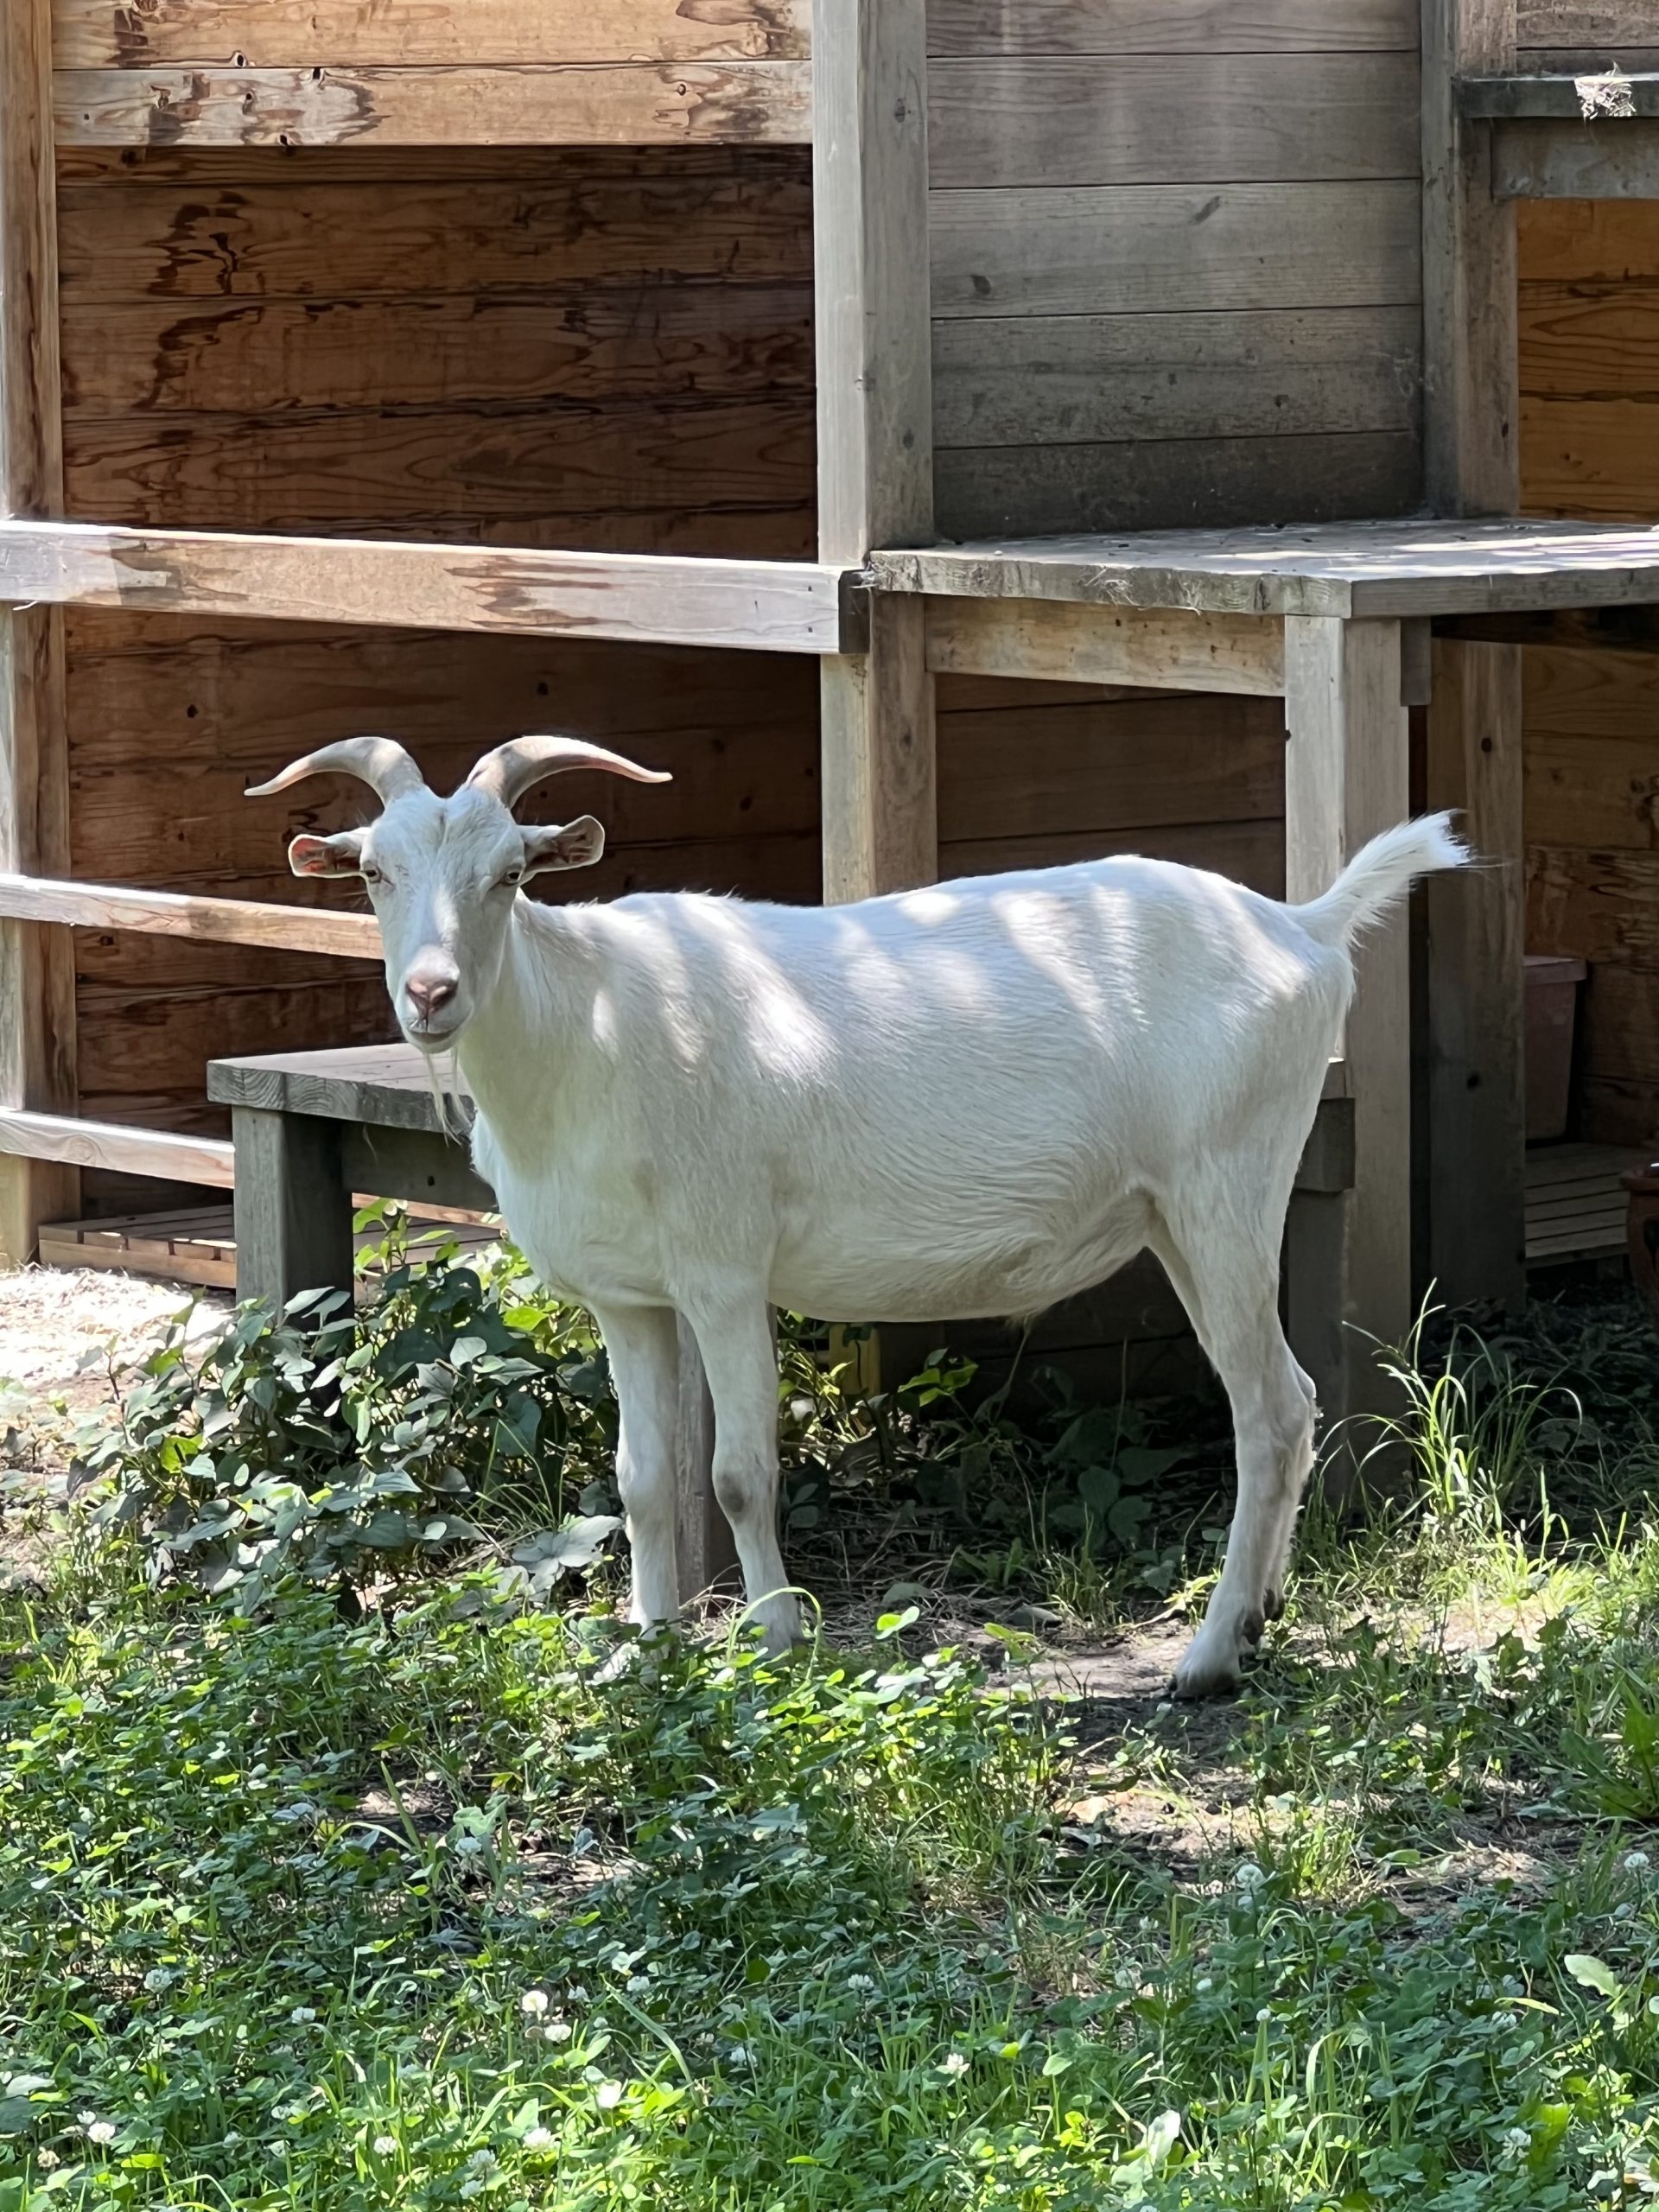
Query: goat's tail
(1379,873)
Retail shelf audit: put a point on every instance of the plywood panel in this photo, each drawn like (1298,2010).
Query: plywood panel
(1079,380)
(356,34)
(1102,250)
(1056,27)
(1129,119)
(695,339)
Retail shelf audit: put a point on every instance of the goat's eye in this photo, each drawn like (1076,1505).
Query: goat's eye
(372,875)
(510,879)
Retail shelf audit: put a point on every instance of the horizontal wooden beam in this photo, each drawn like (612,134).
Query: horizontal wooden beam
(791,606)
(1534,159)
(1060,641)
(168,913)
(614,104)
(1597,96)
(159,1153)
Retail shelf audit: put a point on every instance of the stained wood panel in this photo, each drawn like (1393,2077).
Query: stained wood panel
(1058,27)
(358,34)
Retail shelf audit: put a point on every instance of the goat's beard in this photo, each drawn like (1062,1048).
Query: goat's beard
(452,1123)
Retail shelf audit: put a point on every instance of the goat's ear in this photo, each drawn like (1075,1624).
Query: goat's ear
(339,856)
(569,844)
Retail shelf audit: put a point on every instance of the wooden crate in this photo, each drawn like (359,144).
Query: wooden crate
(1576,1203)
(197,1244)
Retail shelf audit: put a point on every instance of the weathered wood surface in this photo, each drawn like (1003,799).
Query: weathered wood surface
(1470,424)
(1477,1009)
(37,992)
(1565,160)
(738,103)
(1136,119)
(357,33)
(293,1208)
(227,921)
(1169,483)
(384,1086)
(1114,27)
(1560,96)
(65,1141)
(1589,322)
(1051,641)
(1607,25)
(1405,569)
(1095,249)
(774,606)
(1081,380)
(880,811)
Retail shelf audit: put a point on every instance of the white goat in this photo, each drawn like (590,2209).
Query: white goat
(972,1100)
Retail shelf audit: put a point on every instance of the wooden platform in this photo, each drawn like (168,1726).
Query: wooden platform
(1575,1206)
(197,1245)
(1405,569)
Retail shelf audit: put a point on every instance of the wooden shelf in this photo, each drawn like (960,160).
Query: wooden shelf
(1575,1204)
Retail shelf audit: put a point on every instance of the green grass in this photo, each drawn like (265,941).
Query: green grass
(435,1907)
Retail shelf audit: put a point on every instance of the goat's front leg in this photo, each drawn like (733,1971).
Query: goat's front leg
(740,1360)
(642,1343)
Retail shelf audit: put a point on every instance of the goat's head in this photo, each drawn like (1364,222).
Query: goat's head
(444,873)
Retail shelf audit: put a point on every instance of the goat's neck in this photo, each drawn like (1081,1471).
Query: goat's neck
(522,1051)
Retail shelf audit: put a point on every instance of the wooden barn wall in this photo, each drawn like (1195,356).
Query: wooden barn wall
(1590,447)
(1556,34)
(613,350)
(1177,267)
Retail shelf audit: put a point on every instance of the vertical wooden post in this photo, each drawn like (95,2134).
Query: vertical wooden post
(875,429)
(1470,389)
(1346,777)
(37,981)
(1477,1008)
(293,1205)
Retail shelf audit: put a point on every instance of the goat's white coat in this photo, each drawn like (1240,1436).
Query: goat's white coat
(971,1100)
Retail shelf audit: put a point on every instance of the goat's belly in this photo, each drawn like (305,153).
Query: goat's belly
(875,1272)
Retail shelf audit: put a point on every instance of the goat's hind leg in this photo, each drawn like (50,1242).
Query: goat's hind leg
(642,1343)
(1226,1272)
(740,1357)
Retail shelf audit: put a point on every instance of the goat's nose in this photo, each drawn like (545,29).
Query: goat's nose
(429,990)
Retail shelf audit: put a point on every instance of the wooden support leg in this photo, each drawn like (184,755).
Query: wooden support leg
(1345,779)
(1477,1012)
(293,1206)
(881,813)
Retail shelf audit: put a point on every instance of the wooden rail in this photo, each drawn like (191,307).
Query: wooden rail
(157,1153)
(755,606)
(169,913)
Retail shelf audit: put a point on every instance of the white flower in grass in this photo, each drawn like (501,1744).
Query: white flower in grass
(608,2095)
(1517,2141)
(1248,1879)
(1636,1862)
(85,2118)
(638,1984)
(740,2055)
(861,1983)
(160,1978)
(386,2146)
(46,2160)
(101,2131)
(482,2161)
(302,2016)
(1264,2013)
(557,2032)
(954,2061)
(1204,1984)
(535,2002)
(539,2139)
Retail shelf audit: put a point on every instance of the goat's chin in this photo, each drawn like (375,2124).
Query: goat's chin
(433,1042)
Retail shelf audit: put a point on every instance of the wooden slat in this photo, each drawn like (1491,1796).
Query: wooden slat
(1492,97)
(37,991)
(1606,24)
(359,33)
(1082,379)
(1138,120)
(1565,160)
(1597,906)
(1248,852)
(157,358)
(1047,641)
(1095,249)
(229,921)
(26,1136)
(1477,933)
(1469,272)
(734,103)
(1057,27)
(772,607)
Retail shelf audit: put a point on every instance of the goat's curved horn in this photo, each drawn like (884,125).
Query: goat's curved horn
(380,762)
(508,773)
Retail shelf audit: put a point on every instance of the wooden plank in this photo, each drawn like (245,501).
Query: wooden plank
(1057,642)
(1597,906)
(228,921)
(1252,853)
(708,339)
(1346,761)
(1492,97)
(1591,458)
(770,607)
(1606,24)
(1590,242)
(1057,27)
(293,1208)
(359,33)
(1621,1110)
(1469,272)
(1477,934)
(734,103)
(1177,483)
(1084,379)
(881,815)
(1621,1025)
(267,232)
(1099,250)
(1565,160)
(37,1001)
(449,472)
(63,1140)
(1139,119)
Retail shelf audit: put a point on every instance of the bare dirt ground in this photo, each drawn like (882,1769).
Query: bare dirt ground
(60,1332)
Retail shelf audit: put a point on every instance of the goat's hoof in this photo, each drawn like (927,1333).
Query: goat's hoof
(1195,1680)
(1274,1604)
